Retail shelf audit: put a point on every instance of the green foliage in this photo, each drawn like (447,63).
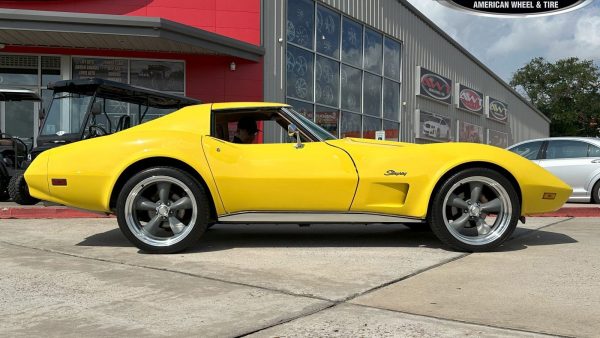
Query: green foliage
(566,91)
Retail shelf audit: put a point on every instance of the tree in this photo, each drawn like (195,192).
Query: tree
(566,91)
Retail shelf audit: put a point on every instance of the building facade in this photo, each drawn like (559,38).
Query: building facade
(359,68)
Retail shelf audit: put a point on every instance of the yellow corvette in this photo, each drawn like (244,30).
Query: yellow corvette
(169,179)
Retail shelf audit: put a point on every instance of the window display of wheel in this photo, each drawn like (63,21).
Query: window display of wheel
(162,210)
(19,192)
(474,210)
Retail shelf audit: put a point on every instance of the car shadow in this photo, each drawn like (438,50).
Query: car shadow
(228,236)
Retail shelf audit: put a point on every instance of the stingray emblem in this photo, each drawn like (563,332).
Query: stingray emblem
(395,173)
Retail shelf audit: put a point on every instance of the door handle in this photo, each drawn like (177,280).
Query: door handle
(596,161)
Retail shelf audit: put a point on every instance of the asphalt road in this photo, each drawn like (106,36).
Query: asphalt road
(80,277)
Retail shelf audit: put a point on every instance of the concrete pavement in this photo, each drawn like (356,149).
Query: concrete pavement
(80,276)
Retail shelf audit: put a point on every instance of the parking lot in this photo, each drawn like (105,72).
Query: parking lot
(74,277)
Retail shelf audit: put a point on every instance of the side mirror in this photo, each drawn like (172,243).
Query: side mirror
(294,131)
(96,108)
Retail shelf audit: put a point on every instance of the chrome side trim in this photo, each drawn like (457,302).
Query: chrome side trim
(313,217)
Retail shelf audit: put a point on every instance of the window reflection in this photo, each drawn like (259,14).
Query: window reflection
(391,100)
(327,84)
(370,126)
(372,95)
(392,59)
(351,125)
(352,42)
(328,119)
(373,51)
(328,32)
(300,22)
(300,73)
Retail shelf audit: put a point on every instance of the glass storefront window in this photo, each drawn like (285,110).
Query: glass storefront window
(327,84)
(352,42)
(373,51)
(21,70)
(350,125)
(351,88)
(391,100)
(300,22)
(300,73)
(328,32)
(328,119)
(160,75)
(303,108)
(370,126)
(392,59)
(372,95)
(50,70)
(391,130)
(109,69)
(334,64)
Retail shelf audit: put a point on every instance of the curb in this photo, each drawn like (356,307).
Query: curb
(59,212)
(47,213)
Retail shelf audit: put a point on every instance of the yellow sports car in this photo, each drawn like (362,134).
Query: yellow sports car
(169,179)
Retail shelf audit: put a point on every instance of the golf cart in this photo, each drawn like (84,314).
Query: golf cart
(86,108)
(13,150)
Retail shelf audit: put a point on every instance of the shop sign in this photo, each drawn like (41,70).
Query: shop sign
(108,69)
(497,110)
(468,132)
(469,99)
(497,138)
(515,8)
(432,126)
(434,86)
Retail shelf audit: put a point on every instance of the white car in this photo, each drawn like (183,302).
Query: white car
(436,127)
(575,160)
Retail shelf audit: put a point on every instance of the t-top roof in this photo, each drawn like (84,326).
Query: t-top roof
(123,92)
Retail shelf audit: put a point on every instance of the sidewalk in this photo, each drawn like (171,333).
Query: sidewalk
(10,210)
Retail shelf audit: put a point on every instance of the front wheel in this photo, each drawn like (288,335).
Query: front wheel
(596,193)
(19,191)
(162,210)
(474,210)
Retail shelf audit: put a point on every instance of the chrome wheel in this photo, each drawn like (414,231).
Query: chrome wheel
(477,210)
(160,211)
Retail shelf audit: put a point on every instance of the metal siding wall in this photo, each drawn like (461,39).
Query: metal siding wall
(422,46)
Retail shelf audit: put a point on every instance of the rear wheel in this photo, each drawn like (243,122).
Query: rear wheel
(19,191)
(3,188)
(162,210)
(474,210)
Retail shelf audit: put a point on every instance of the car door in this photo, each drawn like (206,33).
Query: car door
(281,177)
(568,159)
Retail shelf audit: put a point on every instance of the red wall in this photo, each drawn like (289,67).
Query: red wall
(238,19)
(208,77)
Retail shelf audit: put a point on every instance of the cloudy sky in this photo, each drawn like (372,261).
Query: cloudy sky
(506,44)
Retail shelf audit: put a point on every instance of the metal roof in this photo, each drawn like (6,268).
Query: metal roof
(116,32)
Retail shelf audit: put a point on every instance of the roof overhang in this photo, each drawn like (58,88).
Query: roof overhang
(116,32)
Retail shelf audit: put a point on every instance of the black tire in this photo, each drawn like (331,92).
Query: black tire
(596,193)
(132,211)
(460,223)
(19,191)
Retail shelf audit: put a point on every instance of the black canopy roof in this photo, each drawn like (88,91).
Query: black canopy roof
(123,92)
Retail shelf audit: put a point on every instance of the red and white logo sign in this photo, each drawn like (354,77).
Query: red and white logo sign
(436,86)
(470,100)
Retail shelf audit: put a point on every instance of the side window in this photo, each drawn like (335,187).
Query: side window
(247,126)
(566,149)
(593,151)
(528,150)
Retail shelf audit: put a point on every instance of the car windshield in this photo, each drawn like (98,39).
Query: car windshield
(66,113)
(313,127)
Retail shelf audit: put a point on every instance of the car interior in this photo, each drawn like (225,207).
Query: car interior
(225,125)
